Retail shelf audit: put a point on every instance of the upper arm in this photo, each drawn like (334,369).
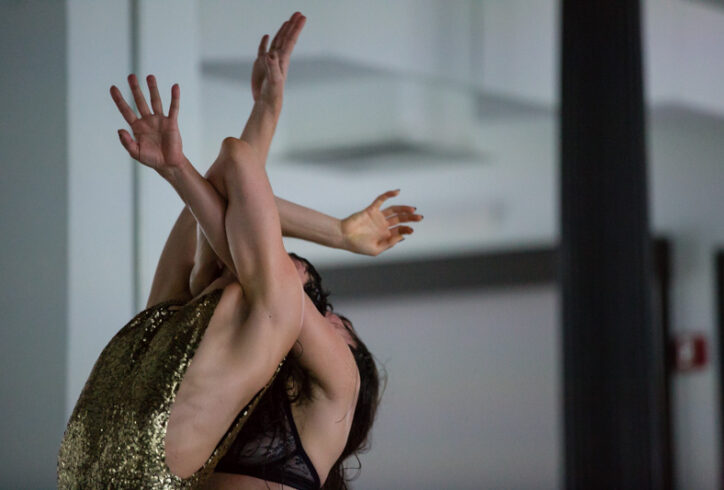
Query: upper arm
(335,385)
(327,357)
(171,280)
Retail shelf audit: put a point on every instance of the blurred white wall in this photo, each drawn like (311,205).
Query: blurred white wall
(473,393)
(168,48)
(99,178)
(683,42)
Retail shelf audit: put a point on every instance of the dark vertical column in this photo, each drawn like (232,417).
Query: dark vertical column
(719,304)
(662,325)
(613,357)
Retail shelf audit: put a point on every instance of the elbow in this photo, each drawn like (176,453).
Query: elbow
(237,151)
(230,145)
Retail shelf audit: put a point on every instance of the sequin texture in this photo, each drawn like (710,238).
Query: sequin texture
(115,435)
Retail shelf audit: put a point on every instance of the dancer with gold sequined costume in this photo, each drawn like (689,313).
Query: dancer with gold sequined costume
(148,416)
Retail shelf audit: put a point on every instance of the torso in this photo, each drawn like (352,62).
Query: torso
(214,390)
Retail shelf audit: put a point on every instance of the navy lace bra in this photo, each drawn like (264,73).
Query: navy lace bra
(271,450)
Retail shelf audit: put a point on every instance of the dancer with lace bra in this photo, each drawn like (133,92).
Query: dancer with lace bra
(236,331)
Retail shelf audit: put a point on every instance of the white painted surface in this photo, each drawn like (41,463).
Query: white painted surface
(520,49)
(168,48)
(473,393)
(100,289)
(684,40)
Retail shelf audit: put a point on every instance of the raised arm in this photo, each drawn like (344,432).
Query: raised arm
(156,143)
(370,231)
(268,77)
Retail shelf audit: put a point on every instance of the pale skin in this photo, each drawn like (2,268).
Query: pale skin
(263,310)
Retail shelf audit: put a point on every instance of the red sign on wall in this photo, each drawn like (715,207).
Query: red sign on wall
(690,351)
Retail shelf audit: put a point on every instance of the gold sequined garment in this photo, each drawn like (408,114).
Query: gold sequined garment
(115,436)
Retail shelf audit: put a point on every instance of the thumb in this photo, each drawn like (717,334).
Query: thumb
(131,146)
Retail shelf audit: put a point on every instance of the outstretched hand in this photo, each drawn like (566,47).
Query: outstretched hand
(270,67)
(156,141)
(374,230)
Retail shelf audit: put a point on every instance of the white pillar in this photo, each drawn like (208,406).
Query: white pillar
(169,48)
(99,182)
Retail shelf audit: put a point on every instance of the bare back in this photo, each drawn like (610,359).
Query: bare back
(212,392)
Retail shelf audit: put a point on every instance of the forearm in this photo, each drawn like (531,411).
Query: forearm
(296,222)
(206,205)
(305,223)
(260,127)
(171,280)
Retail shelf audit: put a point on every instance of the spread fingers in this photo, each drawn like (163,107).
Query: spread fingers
(138,96)
(156,103)
(403,218)
(122,105)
